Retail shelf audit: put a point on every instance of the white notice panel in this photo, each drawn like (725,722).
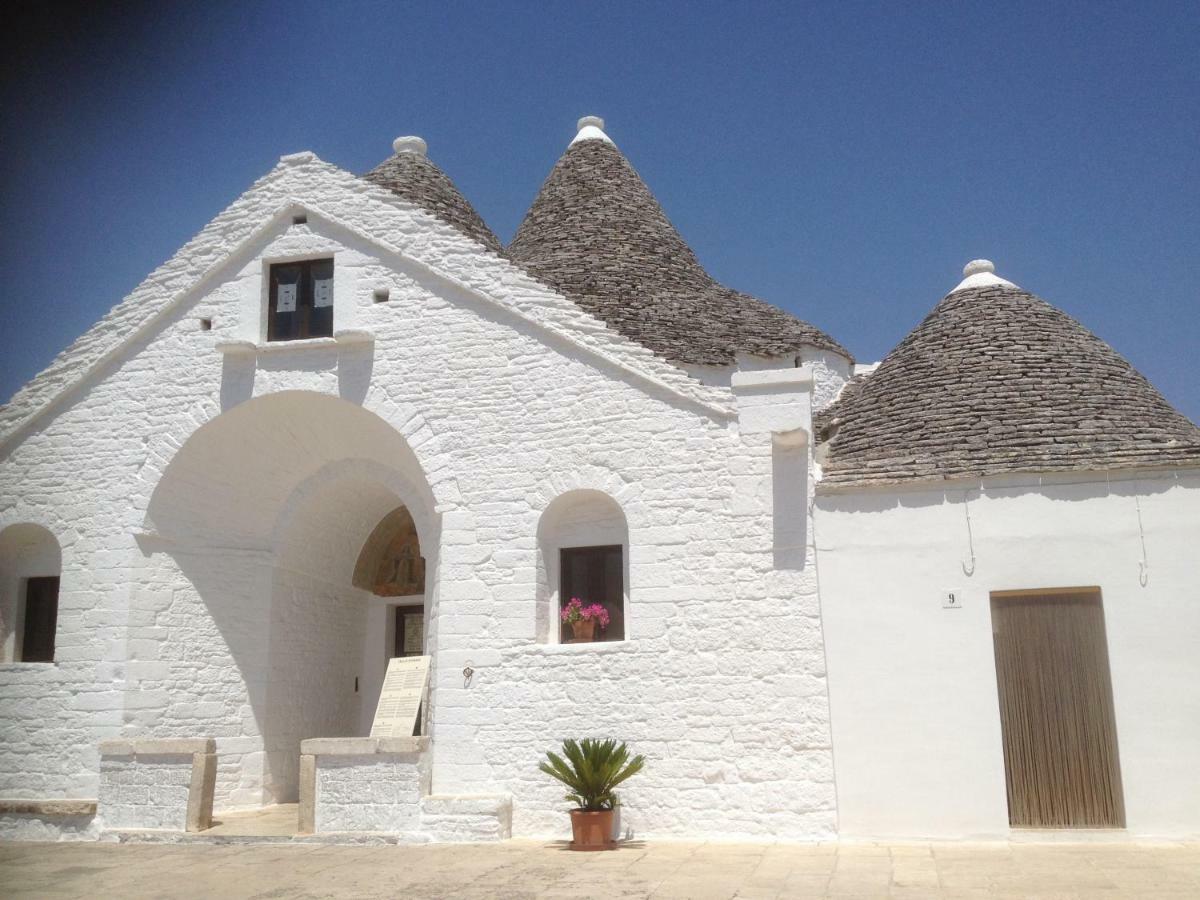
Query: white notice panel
(403,690)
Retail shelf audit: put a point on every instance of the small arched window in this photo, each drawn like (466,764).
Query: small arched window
(583,541)
(30,567)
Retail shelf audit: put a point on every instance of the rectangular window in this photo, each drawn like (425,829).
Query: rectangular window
(301,301)
(410,631)
(594,575)
(41,619)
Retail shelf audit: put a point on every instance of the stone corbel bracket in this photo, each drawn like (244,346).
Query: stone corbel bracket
(142,783)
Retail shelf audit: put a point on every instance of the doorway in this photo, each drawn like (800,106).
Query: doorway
(1056,709)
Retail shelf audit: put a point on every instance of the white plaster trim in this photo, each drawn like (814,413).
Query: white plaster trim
(590,128)
(981,279)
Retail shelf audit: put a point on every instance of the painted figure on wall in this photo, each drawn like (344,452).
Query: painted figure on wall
(391,564)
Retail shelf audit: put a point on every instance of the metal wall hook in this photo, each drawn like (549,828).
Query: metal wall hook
(970,535)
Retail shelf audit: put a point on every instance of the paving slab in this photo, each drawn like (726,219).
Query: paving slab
(538,870)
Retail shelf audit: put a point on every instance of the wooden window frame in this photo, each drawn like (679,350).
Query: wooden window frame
(306,324)
(617,630)
(399,613)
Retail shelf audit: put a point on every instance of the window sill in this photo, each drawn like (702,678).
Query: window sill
(343,337)
(590,647)
(24,665)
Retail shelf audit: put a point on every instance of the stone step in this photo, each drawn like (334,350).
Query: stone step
(467,817)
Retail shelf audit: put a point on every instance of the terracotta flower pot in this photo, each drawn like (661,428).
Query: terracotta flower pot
(583,630)
(592,830)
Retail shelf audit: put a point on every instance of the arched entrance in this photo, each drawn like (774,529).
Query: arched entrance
(288,530)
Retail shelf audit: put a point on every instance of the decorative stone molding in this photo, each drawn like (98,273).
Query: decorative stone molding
(157,783)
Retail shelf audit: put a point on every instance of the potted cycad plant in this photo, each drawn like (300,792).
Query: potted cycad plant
(591,771)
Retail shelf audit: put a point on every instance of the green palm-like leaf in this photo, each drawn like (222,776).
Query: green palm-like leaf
(591,770)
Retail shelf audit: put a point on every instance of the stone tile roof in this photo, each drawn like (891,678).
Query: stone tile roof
(411,175)
(996,380)
(596,234)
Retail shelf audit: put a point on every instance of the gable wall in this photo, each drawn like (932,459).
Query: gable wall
(721,683)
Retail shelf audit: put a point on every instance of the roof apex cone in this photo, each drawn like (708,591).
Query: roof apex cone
(590,128)
(410,143)
(981,273)
(410,174)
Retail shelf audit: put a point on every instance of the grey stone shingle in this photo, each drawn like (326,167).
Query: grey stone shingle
(596,233)
(993,381)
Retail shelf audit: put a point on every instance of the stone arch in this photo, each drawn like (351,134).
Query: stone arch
(625,494)
(259,520)
(407,421)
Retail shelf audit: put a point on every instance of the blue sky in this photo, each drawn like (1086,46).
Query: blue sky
(842,160)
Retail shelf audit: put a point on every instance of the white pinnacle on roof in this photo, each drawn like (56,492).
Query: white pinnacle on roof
(410,144)
(590,128)
(980,273)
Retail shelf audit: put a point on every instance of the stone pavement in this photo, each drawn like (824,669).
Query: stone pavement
(529,869)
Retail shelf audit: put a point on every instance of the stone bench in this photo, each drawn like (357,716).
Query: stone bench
(46,820)
(363,784)
(157,783)
(381,786)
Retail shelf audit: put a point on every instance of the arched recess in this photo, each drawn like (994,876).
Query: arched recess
(255,529)
(30,568)
(583,549)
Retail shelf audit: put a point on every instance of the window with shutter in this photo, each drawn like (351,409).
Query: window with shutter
(301,300)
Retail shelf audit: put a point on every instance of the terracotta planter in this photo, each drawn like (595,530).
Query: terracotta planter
(584,630)
(592,830)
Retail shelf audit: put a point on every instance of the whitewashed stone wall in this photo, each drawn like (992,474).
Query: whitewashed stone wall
(913,684)
(508,396)
(830,371)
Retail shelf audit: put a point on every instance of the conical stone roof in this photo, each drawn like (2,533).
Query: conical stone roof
(996,380)
(411,175)
(596,234)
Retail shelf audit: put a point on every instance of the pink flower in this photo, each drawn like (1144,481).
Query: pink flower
(574,611)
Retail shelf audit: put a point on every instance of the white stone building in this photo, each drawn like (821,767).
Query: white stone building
(344,423)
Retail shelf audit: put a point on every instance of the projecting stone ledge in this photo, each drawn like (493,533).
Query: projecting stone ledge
(363,746)
(48,808)
(157,746)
